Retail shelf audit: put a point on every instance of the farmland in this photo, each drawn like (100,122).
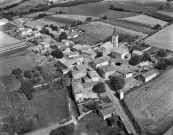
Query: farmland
(152,109)
(129,25)
(158,39)
(144,19)
(166,13)
(8,64)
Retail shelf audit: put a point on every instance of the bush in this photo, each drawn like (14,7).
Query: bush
(117,82)
(99,54)
(27,74)
(62,36)
(88,19)
(64,130)
(57,54)
(104,17)
(161,65)
(99,88)
(157,26)
(135,60)
(162,53)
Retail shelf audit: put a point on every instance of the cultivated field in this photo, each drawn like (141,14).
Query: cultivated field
(27,5)
(166,13)
(69,16)
(162,39)
(8,64)
(144,19)
(129,25)
(152,109)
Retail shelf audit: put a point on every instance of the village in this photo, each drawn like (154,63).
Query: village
(70,75)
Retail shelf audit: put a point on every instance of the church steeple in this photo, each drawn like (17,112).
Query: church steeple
(115,38)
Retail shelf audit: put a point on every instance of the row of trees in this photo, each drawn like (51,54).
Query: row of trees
(64,130)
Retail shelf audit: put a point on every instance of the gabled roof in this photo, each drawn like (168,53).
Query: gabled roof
(100,60)
(109,69)
(107,45)
(149,73)
(107,110)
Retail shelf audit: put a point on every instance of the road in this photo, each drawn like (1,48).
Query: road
(120,110)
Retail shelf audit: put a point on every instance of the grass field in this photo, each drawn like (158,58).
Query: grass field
(51,107)
(144,19)
(166,13)
(8,64)
(152,109)
(162,39)
(129,25)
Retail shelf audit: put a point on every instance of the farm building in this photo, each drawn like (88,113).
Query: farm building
(126,73)
(107,47)
(102,61)
(136,52)
(25,32)
(78,74)
(121,53)
(149,75)
(106,112)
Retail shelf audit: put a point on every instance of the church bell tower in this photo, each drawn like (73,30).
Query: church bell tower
(115,38)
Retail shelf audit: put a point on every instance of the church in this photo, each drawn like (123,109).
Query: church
(114,49)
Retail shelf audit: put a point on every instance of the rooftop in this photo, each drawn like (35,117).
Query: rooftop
(149,73)
(107,110)
(100,60)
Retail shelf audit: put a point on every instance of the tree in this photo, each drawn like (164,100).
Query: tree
(117,82)
(16,71)
(27,74)
(161,65)
(88,19)
(64,130)
(157,26)
(111,7)
(104,17)
(99,54)
(27,89)
(99,88)
(161,53)
(135,60)
(62,36)
(57,54)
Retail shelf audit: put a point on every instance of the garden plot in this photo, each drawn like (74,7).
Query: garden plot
(144,19)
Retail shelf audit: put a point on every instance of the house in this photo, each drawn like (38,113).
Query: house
(45,44)
(107,71)
(87,79)
(118,62)
(120,53)
(78,91)
(78,58)
(88,86)
(78,74)
(101,61)
(107,47)
(149,75)
(72,54)
(106,112)
(36,33)
(138,53)
(93,75)
(67,42)
(126,73)
(25,32)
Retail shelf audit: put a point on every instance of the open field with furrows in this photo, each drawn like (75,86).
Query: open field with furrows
(8,64)
(144,19)
(27,5)
(166,13)
(152,109)
(60,19)
(162,39)
(98,8)
(129,25)
(4,3)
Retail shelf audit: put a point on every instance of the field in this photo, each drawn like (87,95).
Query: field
(97,9)
(4,3)
(51,107)
(166,13)
(27,5)
(144,19)
(152,109)
(162,39)
(129,25)
(69,16)
(8,64)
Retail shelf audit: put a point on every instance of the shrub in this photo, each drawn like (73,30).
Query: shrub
(161,65)
(57,54)
(135,60)
(117,82)
(62,36)
(64,130)
(99,88)
(162,53)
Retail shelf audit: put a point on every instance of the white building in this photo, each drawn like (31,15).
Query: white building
(93,75)
(149,75)
(102,61)
(72,54)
